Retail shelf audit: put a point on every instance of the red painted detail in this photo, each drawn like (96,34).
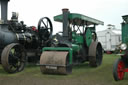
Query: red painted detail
(34,29)
(126,70)
(121,70)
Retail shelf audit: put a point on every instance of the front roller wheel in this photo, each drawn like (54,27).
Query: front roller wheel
(118,69)
(13,58)
(55,62)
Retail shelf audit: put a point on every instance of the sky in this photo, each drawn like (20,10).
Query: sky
(108,11)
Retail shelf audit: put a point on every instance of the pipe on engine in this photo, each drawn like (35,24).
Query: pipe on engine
(4,9)
(65,22)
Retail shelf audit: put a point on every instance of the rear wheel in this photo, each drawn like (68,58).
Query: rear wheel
(13,58)
(95,54)
(118,69)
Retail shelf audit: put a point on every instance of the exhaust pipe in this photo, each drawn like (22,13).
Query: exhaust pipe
(4,9)
(125,18)
(65,22)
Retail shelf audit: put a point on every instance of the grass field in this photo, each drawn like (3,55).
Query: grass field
(81,75)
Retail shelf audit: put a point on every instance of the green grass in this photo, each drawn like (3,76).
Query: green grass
(82,74)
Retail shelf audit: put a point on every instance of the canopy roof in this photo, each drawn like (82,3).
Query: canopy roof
(79,19)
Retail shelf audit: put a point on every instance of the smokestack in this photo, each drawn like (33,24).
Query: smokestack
(125,18)
(4,9)
(65,22)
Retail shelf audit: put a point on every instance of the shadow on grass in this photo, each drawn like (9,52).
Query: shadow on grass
(31,65)
(81,66)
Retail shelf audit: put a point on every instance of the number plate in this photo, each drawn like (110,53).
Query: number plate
(51,67)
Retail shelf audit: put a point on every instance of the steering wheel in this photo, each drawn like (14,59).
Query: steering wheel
(45,28)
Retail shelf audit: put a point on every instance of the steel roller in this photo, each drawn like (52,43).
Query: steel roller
(54,62)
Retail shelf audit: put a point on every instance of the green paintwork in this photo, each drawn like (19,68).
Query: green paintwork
(85,20)
(125,29)
(77,38)
(88,36)
(60,49)
(77,41)
(73,35)
(75,47)
(124,33)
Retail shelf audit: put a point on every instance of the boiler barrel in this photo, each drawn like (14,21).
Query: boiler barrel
(7,37)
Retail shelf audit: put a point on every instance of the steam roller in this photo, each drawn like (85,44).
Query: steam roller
(76,44)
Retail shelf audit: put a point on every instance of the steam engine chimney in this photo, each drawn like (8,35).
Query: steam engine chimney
(65,22)
(4,9)
(125,18)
